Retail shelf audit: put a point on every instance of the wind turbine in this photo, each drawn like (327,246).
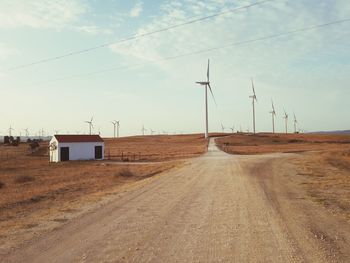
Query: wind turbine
(114,126)
(286,120)
(254,99)
(206,84)
(143,130)
(153,132)
(90,124)
(273,114)
(295,123)
(10,131)
(233,129)
(222,128)
(27,132)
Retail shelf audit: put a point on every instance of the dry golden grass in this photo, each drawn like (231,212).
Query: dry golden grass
(326,177)
(155,148)
(270,143)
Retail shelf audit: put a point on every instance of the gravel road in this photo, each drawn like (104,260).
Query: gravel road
(210,210)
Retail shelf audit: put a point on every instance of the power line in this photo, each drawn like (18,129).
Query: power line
(136,36)
(245,42)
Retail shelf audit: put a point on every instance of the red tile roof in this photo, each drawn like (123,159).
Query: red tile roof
(78,138)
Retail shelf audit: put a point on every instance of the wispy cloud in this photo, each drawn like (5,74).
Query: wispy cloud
(136,10)
(5,51)
(264,20)
(93,30)
(39,13)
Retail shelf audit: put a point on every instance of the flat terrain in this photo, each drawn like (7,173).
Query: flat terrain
(243,143)
(216,208)
(36,196)
(155,148)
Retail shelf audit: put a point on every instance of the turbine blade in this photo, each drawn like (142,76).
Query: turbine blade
(212,94)
(208,70)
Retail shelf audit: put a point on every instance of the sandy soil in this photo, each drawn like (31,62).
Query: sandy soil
(217,208)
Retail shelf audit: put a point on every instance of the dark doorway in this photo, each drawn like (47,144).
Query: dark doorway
(64,154)
(98,152)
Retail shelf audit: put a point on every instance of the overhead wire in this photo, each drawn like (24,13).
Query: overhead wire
(135,36)
(239,43)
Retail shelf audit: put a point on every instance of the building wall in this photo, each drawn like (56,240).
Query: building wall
(77,151)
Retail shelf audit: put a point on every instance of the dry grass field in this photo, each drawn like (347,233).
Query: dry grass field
(155,148)
(34,191)
(288,143)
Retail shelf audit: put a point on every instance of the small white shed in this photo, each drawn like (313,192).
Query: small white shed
(76,147)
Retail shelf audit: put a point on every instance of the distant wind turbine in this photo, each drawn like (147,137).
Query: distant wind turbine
(273,114)
(295,123)
(254,99)
(233,128)
(286,120)
(153,132)
(114,127)
(222,128)
(206,84)
(10,131)
(143,130)
(90,124)
(27,132)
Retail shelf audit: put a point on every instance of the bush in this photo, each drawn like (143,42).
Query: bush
(125,173)
(24,179)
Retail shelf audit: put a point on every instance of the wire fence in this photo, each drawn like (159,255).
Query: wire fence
(22,151)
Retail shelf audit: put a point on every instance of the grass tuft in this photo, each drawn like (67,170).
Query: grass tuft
(125,173)
(20,179)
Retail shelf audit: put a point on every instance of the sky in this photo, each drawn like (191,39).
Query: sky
(136,82)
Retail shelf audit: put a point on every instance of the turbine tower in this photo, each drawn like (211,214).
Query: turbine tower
(233,128)
(286,120)
(273,114)
(90,124)
(254,99)
(295,123)
(206,84)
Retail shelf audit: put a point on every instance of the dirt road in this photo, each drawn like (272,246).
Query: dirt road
(212,210)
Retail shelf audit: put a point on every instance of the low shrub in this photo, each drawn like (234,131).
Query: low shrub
(125,173)
(23,179)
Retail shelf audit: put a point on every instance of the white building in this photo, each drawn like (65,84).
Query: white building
(76,147)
